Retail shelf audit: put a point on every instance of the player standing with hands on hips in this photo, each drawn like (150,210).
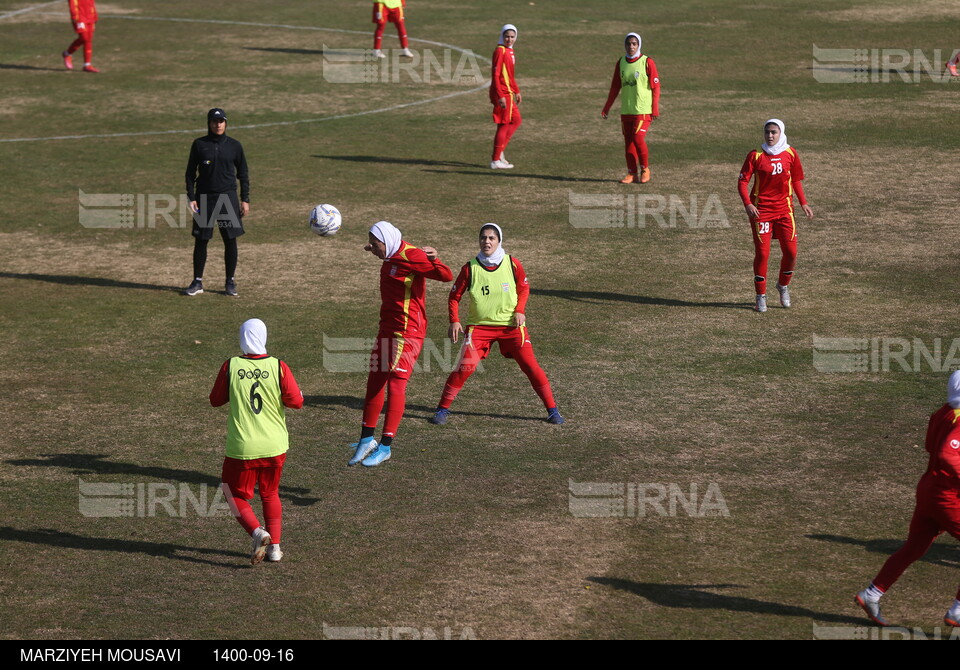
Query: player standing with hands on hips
(498,288)
(937,509)
(258,387)
(769,206)
(505,96)
(403,325)
(83,14)
(215,165)
(636,81)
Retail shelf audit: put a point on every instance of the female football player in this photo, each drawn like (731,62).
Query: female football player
(769,206)
(505,96)
(498,290)
(403,325)
(937,509)
(635,76)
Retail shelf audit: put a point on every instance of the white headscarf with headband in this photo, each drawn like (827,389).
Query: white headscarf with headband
(953,390)
(781,144)
(506,27)
(494,259)
(639,44)
(253,337)
(387,233)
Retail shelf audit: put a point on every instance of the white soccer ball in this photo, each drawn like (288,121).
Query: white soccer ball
(325,220)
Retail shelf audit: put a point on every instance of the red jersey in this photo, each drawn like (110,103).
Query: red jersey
(403,289)
(502,82)
(777,177)
(83,11)
(943,445)
(462,284)
(290,392)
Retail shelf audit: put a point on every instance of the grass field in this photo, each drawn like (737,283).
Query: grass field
(660,366)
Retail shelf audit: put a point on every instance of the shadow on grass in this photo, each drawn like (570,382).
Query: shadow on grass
(57,538)
(486,171)
(696,596)
(277,50)
(598,297)
(939,554)
(352,402)
(11,66)
(400,161)
(95,464)
(87,281)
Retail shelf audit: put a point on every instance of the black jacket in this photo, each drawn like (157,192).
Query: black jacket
(220,162)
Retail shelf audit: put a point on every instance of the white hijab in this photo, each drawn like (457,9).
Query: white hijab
(506,27)
(494,259)
(781,144)
(639,45)
(387,233)
(953,390)
(253,337)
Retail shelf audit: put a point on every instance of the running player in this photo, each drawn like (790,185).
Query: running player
(258,387)
(937,509)
(83,14)
(392,11)
(636,76)
(403,325)
(505,96)
(498,291)
(769,206)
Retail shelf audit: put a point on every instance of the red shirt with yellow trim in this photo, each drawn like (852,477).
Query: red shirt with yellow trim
(503,84)
(776,180)
(403,289)
(83,11)
(943,445)
(462,284)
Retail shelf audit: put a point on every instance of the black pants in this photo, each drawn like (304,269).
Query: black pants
(230,254)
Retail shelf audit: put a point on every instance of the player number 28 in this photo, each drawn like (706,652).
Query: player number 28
(763,227)
(777,168)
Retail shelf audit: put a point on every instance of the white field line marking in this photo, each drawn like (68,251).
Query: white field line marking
(30,9)
(274,123)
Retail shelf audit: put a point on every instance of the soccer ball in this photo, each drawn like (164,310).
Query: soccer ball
(325,220)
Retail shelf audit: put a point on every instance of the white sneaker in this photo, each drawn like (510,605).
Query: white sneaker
(952,617)
(784,295)
(378,54)
(871,607)
(761,303)
(500,165)
(406,53)
(261,540)
(274,554)
(503,159)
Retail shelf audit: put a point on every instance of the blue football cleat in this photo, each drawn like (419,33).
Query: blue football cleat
(363,449)
(379,455)
(554,416)
(440,417)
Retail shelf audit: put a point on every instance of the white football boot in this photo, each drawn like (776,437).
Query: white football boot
(261,540)
(871,607)
(761,303)
(274,554)
(784,295)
